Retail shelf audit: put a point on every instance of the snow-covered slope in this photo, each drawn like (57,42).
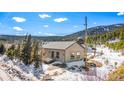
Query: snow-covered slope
(110,55)
(8,73)
(15,70)
(113,58)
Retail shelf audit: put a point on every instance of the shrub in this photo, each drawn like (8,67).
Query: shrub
(106,62)
(117,75)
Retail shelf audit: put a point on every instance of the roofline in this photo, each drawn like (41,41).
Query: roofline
(73,44)
(67,47)
(62,49)
(81,46)
(70,45)
(53,48)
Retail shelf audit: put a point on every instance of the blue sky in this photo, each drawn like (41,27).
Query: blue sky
(53,23)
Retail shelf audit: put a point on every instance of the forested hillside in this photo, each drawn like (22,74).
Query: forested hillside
(27,51)
(98,30)
(117,35)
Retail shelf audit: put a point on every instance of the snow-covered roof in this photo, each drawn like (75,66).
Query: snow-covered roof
(58,44)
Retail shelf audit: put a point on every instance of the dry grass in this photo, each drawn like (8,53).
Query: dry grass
(117,75)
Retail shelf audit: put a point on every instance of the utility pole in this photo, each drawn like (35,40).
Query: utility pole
(85,42)
(95,40)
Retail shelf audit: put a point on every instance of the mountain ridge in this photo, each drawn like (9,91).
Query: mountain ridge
(95,30)
(91,31)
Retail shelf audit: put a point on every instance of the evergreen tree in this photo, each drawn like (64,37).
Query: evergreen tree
(2,49)
(121,35)
(11,52)
(18,52)
(112,35)
(35,54)
(37,61)
(26,50)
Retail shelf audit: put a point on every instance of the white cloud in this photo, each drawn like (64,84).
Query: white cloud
(120,13)
(39,32)
(46,26)
(20,34)
(19,19)
(47,34)
(18,28)
(94,23)
(43,16)
(24,34)
(75,26)
(60,20)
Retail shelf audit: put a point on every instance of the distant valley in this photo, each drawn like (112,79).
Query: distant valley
(91,31)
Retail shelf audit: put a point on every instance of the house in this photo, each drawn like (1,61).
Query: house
(64,51)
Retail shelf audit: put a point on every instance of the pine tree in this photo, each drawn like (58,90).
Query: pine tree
(2,49)
(121,35)
(18,52)
(11,52)
(33,52)
(26,50)
(105,37)
(35,55)
(37,61)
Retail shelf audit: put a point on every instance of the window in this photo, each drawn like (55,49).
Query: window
(72,56)
(44,54)
(57,54)
(78,55)
(52,54)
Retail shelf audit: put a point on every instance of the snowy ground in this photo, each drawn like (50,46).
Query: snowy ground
(16,70)
(110,55)
(73,71)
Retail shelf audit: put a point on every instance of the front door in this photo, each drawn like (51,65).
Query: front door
(52,54)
